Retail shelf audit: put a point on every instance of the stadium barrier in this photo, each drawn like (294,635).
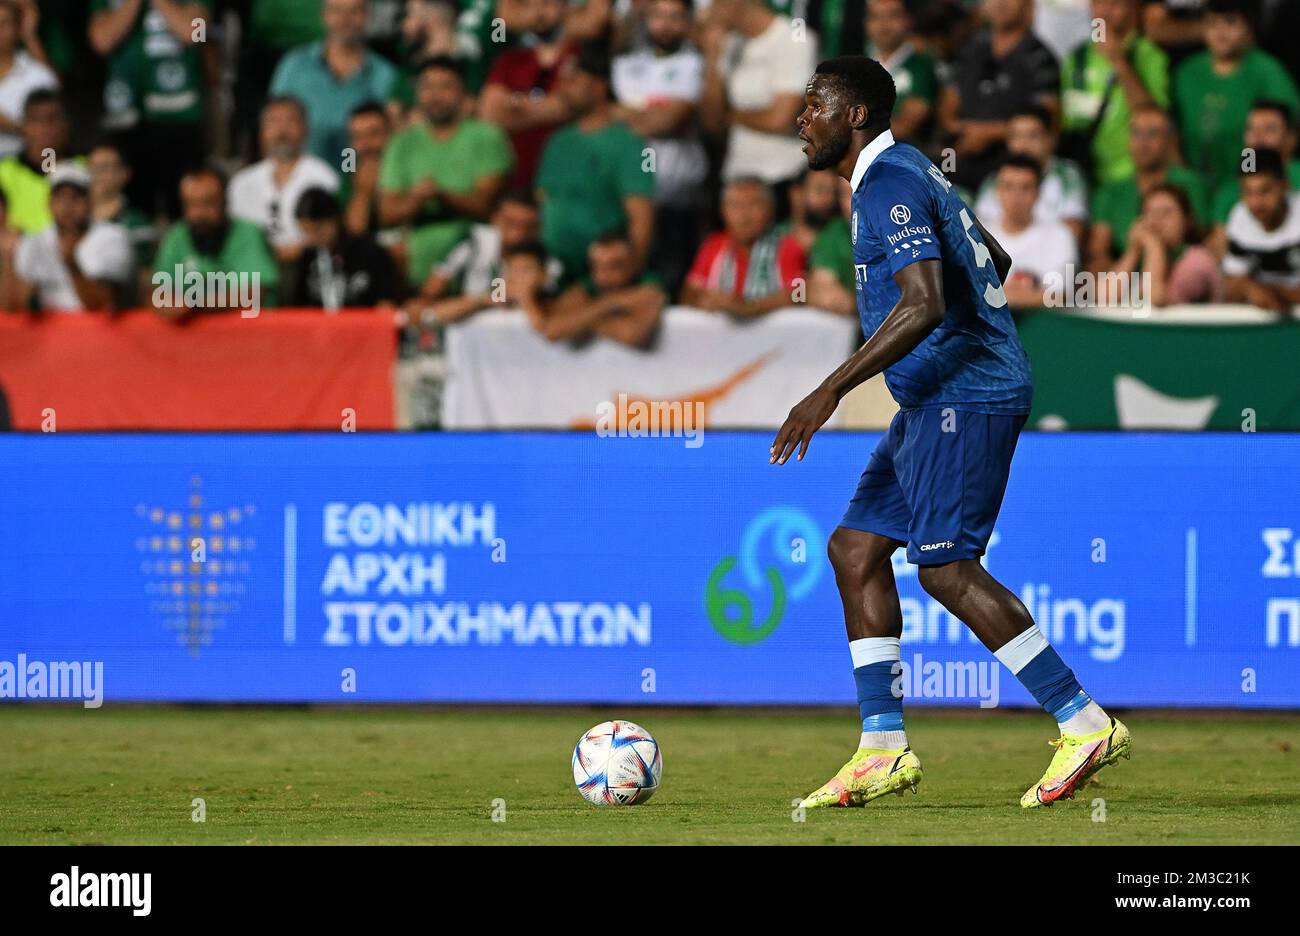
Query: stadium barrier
(1194,367)
(568,568)
(286,369)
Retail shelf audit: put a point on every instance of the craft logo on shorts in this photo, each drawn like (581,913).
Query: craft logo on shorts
(900,214)
(780,555)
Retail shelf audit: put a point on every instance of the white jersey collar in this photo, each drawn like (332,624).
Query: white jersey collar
(868,155)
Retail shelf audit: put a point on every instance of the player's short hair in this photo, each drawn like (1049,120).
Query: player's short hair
(1268,162)
(317,204)
(1279,107)
(532,249)
(864,81)
(1021,161)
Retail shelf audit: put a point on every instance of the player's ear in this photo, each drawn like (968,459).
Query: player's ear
(858,115)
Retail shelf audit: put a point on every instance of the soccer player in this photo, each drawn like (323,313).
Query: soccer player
(929,294)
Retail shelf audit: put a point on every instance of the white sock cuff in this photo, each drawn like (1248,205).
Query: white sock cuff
(868,650)
(1016,653)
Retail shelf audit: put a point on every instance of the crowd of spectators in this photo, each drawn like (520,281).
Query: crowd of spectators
(590,161)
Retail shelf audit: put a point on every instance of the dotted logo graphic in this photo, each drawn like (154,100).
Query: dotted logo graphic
(195,563)
(900,214)
(774,568)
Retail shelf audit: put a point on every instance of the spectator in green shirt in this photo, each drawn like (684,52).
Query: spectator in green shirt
(1103,82)
(1214,89)
(889,30)
(159,64)
(208,241)
(333,76)
(1153,145)
(24,177)
(443,173)
(1269,125)
(831,275)
(596,175)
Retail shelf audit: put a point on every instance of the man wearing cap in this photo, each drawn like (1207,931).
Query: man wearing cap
(74,264)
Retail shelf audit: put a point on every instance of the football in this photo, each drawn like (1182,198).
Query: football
(617,763)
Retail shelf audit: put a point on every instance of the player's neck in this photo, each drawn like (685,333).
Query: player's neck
(860,141)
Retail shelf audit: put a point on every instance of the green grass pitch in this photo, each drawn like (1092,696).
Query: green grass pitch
(431,775)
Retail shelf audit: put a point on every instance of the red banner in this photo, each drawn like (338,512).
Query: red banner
(284,369)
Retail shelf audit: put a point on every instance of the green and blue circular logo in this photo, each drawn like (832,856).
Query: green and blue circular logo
(779,561)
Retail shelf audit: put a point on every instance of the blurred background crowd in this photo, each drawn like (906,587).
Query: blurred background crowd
(592,161)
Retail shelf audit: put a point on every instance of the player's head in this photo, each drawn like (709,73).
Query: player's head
(611,262)
(1264,187)
(440,90)
(319,218)
(846,95)
(1271,125)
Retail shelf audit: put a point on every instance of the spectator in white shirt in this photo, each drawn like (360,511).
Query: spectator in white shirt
(658,90)
(756,68)
(267,192)
(74,265)
(22,71)
(1039,248)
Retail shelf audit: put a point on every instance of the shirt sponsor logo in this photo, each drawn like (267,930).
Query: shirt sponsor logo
(908,232)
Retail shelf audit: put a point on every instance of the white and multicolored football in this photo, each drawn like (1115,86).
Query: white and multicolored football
(617,763)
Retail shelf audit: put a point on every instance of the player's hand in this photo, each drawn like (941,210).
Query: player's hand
(809,415)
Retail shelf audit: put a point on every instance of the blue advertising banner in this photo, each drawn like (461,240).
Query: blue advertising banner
(570,568)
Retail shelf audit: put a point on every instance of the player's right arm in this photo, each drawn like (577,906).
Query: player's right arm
(918,312)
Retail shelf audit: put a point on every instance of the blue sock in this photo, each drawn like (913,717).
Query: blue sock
(875,672)
(1041,670)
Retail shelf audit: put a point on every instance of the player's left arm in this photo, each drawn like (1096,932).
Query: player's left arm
(918,312)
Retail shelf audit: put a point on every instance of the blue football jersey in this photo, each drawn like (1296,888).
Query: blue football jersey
(904,210)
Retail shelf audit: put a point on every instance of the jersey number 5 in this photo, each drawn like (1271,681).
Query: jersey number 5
(993,293)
